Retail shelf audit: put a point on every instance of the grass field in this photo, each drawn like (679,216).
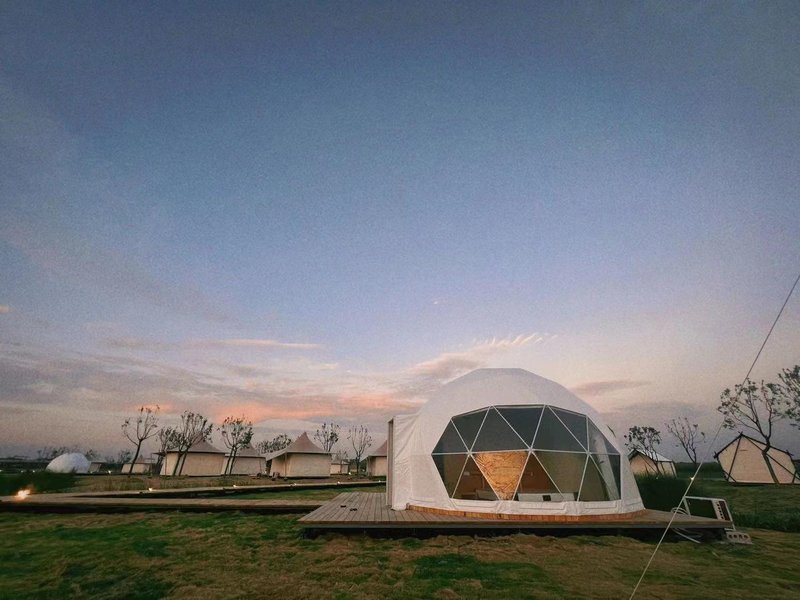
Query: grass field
(185,555)
(232,555)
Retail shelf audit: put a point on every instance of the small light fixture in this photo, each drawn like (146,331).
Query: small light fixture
(22,494)
(149,489)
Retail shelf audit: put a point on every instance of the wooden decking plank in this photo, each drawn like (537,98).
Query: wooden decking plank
(372,511)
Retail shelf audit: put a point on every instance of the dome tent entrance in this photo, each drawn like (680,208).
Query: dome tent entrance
(508,441)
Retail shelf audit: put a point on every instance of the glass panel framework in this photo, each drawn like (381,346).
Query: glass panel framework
(535,453)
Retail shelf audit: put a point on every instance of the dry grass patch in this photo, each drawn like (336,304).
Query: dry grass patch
(177,555)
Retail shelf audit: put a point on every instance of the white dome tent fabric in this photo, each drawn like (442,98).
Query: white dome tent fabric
(73,462)
(506,441)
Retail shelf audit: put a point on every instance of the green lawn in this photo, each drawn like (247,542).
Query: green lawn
(233,555)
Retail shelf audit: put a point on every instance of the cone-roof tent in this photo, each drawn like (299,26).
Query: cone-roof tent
(204,447)
(301,445)
(247,451)
(380,450)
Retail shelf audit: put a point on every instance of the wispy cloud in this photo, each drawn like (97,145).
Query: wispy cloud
(449,365)
(5,309)
(253,343)
(600,388)
(134,343)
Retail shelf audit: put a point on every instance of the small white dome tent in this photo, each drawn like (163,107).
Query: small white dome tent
(508,442)
(743,461)
(72,462)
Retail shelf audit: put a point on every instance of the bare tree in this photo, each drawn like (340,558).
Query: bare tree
(123,456)
(279,442)
(140,429)
(327,435)
(756,408)
(645,439)
(688,436)
(166,438)
(236,434)
(193,429)
(790,385)
(360,439)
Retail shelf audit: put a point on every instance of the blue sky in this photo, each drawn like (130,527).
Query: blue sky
(324,210)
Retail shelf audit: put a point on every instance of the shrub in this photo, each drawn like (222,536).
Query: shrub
(662,492)
(38,482)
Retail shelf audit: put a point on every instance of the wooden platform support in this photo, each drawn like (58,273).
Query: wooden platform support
(368,511)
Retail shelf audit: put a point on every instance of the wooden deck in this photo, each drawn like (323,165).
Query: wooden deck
(368,511)
(206,499)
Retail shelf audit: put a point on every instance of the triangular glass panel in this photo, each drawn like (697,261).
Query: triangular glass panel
(502,470)
(566,471)
(535,484)
(575,423)
(598,442)
(496,434)
(468,425)
(450,467)
(593,488)
(524,420)
(473,485)
(608,465)
(450,442)
(553,435)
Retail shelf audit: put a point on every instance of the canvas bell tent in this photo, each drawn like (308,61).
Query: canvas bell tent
(506,441)
(72,462)
(141,466)
(644,462)
(376,462)
(301,458)
(202,459)
(744,461)
(340,466)
(247,462)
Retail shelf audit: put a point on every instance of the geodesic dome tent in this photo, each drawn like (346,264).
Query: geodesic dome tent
(72,462)
(506,441)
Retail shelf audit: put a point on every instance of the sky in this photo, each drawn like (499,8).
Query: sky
(311,211)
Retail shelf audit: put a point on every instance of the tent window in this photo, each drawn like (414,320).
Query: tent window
(535,484)
(468,426)
(608,466)
(566,471)
(496,434)
(502,470)
(450,442)
(473,485)
(523,420)
(553,435)
(484,455)
(593,489)
(449,467)
(598,443)
(576,424)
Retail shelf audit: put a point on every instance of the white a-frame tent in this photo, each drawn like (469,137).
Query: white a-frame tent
(744,460)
